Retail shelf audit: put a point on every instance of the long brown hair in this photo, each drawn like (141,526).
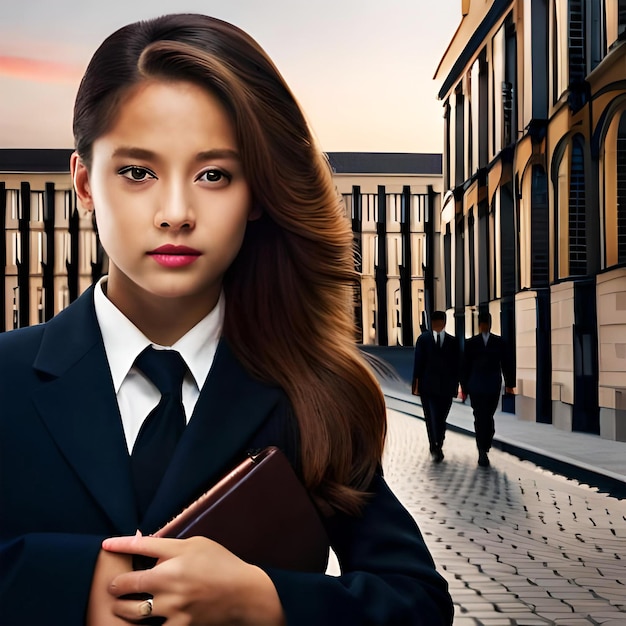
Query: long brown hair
(289,292)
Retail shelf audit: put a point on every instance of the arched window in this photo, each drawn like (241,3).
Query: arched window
(576,211)
(534,227)
(621,190)
(614,190)
(572,227)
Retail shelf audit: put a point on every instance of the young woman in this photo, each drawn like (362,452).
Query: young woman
(227,244)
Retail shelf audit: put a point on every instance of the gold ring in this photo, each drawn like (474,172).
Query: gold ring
(145,608)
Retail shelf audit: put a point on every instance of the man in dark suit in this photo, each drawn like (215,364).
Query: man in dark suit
(436,379)
(485,361)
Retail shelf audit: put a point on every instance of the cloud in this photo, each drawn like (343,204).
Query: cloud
(39,70)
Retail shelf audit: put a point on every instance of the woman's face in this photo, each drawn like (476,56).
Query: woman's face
(171,201)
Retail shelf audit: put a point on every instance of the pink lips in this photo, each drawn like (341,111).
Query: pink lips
(170,255)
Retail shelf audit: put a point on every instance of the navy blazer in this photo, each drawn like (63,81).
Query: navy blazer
(437,368)
(484,365)
(65,485)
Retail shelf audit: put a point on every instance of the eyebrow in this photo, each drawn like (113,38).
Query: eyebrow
(131,152)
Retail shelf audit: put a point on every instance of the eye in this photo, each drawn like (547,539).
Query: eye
(135,173)
(213,177)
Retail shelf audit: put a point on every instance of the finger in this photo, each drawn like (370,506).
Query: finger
(148,546)
(136,609)
(132,585)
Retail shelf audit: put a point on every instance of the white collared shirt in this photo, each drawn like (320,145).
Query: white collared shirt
(123,342)
(485,338)
(442,334)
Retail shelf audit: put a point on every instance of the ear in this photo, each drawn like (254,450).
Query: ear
(256,211)
(80,178)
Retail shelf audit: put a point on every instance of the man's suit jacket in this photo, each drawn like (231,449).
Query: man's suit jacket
(437,368)
(484,365)
(65,485)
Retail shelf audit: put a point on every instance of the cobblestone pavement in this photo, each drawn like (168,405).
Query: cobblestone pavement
(519,546)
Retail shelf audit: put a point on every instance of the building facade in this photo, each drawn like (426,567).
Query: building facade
(393,200)
(51,253)
(49,250)
(533,221)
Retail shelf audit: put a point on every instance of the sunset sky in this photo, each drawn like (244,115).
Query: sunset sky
(362,69)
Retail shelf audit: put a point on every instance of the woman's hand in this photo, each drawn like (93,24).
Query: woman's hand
(196,581)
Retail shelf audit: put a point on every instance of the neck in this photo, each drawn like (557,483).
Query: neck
(165,326)
(162,320)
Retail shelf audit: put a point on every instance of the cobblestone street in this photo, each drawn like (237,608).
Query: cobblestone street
(518,545)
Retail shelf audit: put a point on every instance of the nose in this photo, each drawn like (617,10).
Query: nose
(175,211)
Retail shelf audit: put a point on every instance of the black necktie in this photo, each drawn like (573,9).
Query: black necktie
(439,340)
(163,427)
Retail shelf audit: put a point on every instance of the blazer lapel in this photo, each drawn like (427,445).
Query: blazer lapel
(78,405)
(231,408)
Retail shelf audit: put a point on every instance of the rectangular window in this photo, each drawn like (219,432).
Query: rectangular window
(471,259)
(595,34)
(540,227)
(451,143)
(508,240)
(12,208)
(560,28)
(576,41)
(418,209)
(394,211)
(36,208)
(418,254)
(494,249)
(62,208)
(459,139)
(483,111)
(475,104)
(621,191)
(484,261)
(498,80)
(509,88)
(446,146)
(447,265)
(615,12)
(459,262)
(369,211)
(577,213)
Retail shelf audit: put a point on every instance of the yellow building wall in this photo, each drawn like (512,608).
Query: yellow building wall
(562,318)
(526,353)
(611,298)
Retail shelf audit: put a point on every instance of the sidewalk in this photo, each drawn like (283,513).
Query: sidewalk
(587,458)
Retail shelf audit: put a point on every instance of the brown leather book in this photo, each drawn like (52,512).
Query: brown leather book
(262,513)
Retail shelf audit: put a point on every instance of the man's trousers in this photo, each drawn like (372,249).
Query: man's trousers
(436,409)
(484,405)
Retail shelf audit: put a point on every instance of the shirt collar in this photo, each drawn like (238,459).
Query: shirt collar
(123,341)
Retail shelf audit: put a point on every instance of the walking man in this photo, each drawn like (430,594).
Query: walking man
(485,361)
(436,379)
